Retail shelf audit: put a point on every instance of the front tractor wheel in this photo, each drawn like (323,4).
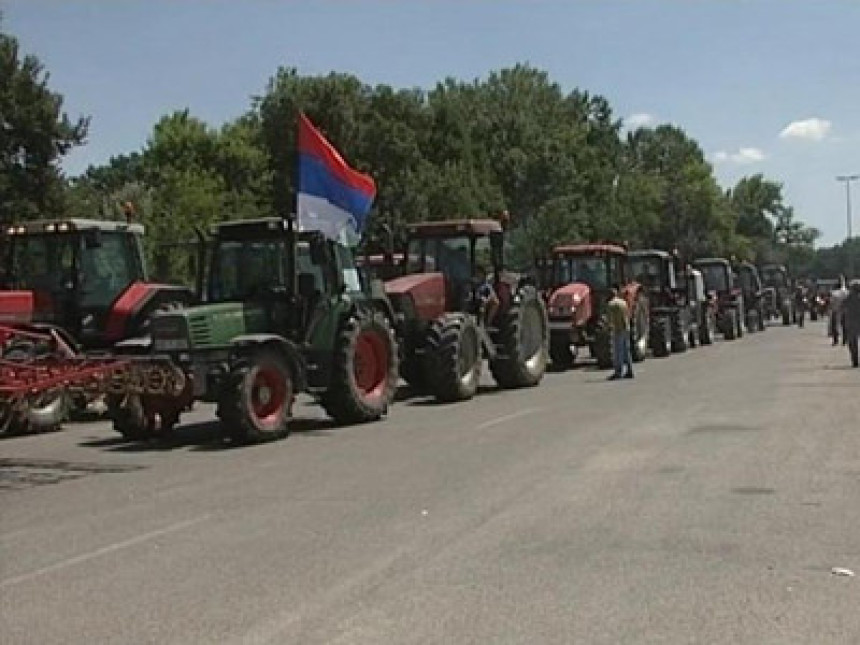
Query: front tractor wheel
(561,352)
(364,370)
(257,398)
(660,333)
(454,350)
(523,340)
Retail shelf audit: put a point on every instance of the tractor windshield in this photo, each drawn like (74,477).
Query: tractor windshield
(247,268)
(53,262)
(646,271)
(597,271)
(747,279)
(715,276)
(773,276)
(453,256)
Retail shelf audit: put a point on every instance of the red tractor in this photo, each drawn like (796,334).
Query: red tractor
(582,278)
(82,283)
(455,305)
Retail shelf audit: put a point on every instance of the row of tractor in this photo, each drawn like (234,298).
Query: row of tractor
(276,312)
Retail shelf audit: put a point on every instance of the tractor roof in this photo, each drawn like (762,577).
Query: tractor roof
(71,225)
(650,253)
(454,227)
(589,249)
(250,229)
(705,261)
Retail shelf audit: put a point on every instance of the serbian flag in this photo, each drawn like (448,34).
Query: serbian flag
(332,197)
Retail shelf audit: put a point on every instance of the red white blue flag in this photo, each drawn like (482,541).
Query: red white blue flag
(332,197)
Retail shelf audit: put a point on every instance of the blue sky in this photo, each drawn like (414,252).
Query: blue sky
(770,86)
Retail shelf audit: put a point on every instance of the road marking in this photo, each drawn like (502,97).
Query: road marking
(506,418)
(116,546)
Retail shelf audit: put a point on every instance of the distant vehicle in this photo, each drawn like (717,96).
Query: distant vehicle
(777,293)
(726,296)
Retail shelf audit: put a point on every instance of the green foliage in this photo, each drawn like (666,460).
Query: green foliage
(34,134)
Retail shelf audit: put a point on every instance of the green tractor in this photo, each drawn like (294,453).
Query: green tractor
(283,313)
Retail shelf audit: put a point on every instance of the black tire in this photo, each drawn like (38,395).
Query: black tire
(730,325)
(739,323)
(560,352)
(679,338)
(365,370)
(707,328)
(257,397)
(129,418)
(601,349)
(454,353)
(414,372)
(659,337)
(786,316)
(522,341)
(761,321)
(639,332)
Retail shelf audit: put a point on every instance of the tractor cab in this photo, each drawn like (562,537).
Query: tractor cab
(582,276)
(80,275)
(443,264)
(775,276)
(656,271)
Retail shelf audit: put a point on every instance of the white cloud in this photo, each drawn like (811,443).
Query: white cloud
(813,129)
(742,157)
(639,120)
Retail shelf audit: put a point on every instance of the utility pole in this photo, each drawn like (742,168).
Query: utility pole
(847,179)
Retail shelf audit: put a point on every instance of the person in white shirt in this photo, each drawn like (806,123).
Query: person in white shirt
(837,315)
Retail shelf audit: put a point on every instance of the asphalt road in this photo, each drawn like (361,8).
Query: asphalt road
(707,501)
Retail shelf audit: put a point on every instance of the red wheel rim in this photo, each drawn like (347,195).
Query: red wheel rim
(268,394)
(371,363)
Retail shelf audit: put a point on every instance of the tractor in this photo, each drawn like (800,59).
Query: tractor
(283,312)
(726,298)
(582,277)
(778,300)
(753,296)
(83,284)
(445,324)
(680,315)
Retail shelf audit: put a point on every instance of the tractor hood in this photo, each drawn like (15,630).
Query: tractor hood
(17,306)
(424,293)
(572,299)
(206,325)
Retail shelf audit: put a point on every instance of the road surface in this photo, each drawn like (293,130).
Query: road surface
(708,500)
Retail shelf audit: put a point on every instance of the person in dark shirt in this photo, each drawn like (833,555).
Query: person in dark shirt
(851,311)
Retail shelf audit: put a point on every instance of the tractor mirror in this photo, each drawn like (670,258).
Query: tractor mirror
(497,245)
(93,238)
(318,250)
(307,285)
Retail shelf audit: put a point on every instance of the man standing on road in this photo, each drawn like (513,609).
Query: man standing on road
(618,315)
(837,318)
(851,311)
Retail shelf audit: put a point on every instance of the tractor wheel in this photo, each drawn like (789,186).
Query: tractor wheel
(730,325)
(707,328)
(660,337)
(739,324)
(129,418)
(751,320)
(454,350)
(601,349)
(786,316)
(257,398)
(678,337)
(44,411)
(522,340)
(365,372)
(640,332)
(560,352)
(761,321)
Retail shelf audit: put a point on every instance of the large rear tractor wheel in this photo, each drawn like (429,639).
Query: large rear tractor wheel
(365,370)
(659,337)
(454,350)
(522,341)
(257,398)
(678,337)
(641,322)
(601,348)
(730,325)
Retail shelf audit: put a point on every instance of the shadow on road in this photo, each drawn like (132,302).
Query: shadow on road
(202,436)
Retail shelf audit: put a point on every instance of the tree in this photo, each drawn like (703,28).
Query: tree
(34,134)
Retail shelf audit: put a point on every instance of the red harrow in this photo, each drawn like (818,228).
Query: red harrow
(40,375)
